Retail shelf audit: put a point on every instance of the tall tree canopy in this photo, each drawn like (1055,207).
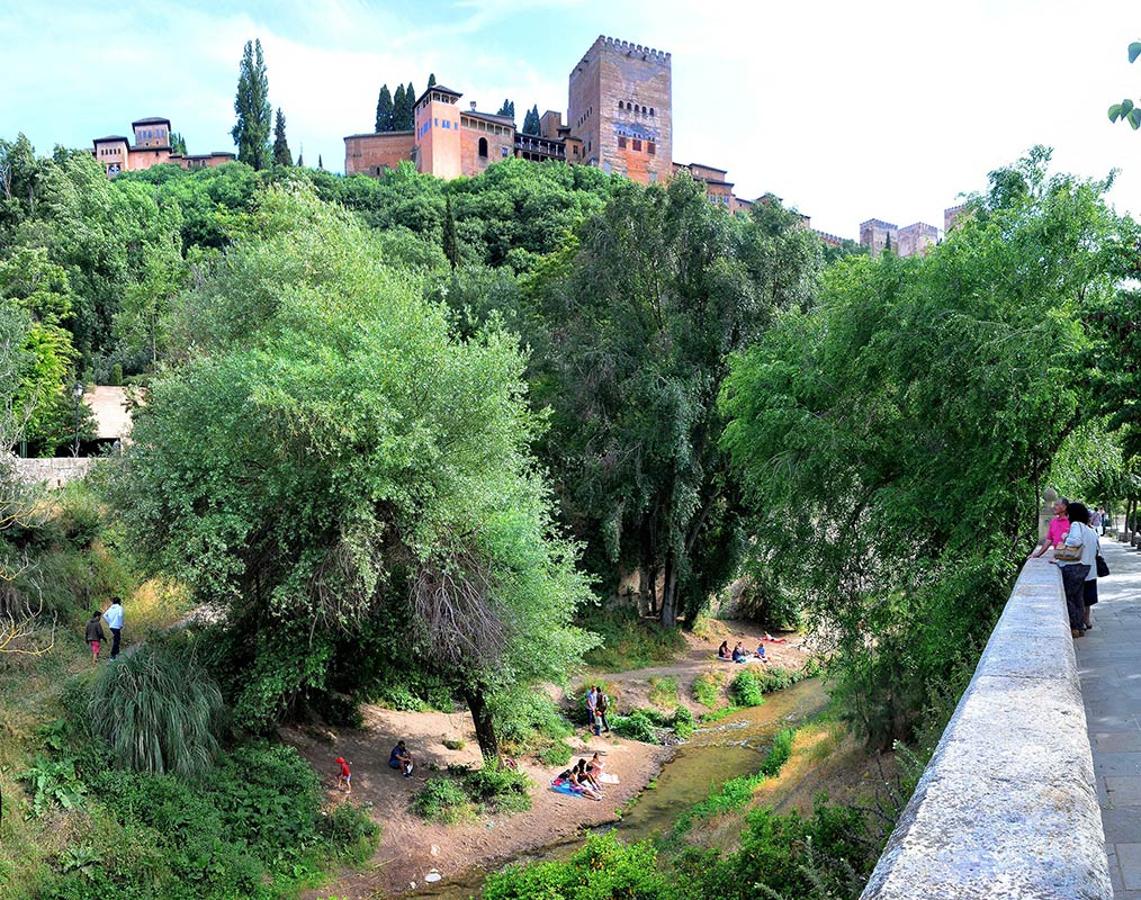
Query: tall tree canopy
(399,109)
(895,438)
(531,120)
(637,321)
(251,104)
(281,154)
(507,109)
(358,492)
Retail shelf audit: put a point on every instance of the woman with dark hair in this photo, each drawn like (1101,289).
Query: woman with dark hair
(1076,558)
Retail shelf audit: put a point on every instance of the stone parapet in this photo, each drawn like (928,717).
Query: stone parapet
(1007,807)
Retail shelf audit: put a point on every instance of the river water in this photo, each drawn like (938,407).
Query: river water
(715,753)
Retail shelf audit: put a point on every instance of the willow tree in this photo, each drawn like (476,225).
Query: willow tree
(895,437)
(347,480)
(638,319)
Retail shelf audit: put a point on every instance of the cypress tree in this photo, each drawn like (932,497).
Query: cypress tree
(281,154)
(432,80)
(531,120)
(507,109)
(410,107)
(301,156)
(451,247)
(398,109)
(255,115)
(384,110)
(320,162)
(177,143)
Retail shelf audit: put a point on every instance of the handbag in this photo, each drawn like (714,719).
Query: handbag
(1102,565)
(1068,554)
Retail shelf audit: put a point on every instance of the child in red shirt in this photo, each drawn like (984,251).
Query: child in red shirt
(346,776)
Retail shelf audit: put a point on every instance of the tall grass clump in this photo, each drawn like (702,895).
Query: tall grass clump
(158,710)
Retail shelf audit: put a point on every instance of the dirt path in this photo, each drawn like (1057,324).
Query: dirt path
(410,847)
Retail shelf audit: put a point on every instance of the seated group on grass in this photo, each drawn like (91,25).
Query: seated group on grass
(584,778)
(740,654)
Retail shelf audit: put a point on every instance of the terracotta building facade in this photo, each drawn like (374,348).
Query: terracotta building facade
(150,147)
(619,118)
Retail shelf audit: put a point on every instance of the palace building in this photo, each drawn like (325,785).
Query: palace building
(151,147)
(619,118)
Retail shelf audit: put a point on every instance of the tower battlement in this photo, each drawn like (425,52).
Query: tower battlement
(649,53)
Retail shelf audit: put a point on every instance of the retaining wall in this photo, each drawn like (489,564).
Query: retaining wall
(1007,806)
(54,472)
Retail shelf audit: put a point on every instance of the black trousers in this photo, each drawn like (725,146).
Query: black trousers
(116,634)
(1074,581)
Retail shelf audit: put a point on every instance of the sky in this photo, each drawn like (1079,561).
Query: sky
(846,110)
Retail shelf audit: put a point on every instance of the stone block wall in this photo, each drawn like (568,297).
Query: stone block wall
(54,472)
(1007,807)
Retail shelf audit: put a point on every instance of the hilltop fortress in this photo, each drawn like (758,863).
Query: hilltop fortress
(619,118)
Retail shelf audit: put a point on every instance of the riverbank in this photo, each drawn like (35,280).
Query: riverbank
(411,847)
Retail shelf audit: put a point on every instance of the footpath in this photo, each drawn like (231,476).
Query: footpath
(1109,664)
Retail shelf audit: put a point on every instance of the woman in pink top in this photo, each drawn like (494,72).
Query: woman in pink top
(1059,528)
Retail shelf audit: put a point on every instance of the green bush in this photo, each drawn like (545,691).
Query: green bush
(683,722)
(52,782)
(630,642)
(663,691)
(558,753)
(528,722)
(80,517)
(745,689)
(442,799)
(779,753)
(604,867)
(707,689)
(158,709)
(497,788)
(351,834)
(638,726)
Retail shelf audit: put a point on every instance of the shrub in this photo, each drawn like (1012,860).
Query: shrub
(638,726)
(497,788)
(683,722)
(663,691)
(52,783)
(158,709)
(707,689)
(351,834)
(527,721)
(80,516)
(745,689)
(442,800)
(779,753)
(558,753)
(630,642)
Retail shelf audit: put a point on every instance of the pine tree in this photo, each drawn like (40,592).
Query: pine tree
(281,154)
(398,109)
(177,143)
(431,80)
(251,131)
(301,158)
(531,120)
(507,109)
(384,110)
(320,162)
(451,246)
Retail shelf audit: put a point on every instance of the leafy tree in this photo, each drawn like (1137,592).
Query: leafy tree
(637,322)
(384,110)
(507,109)
(531,120)
(1125,110)
(251,104)
(348,514)
(451,249)
(895,437)
(177,143)
(281,154)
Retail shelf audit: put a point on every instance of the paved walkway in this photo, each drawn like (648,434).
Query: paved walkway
(1109,663)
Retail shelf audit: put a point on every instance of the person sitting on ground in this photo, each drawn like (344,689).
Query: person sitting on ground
(401,759)
(739,654)
(772,640)
(760,654)
(344,776)
(94,634)
(595,766)
(585,783)
(584,773)
(723,650)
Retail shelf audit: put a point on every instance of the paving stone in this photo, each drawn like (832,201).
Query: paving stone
(1121,823)
(1129,860)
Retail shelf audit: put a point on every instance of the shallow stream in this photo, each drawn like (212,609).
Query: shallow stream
(715,753)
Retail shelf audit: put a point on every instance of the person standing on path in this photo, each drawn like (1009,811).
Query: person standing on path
(602,704)
(93,634)
(592,711)
(1082,541)
(114,617)
(1058,529)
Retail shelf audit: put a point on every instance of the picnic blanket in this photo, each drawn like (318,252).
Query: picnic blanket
(607,778)
(563,788)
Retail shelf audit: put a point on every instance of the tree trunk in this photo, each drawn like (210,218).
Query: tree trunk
(669,594)
(484,726)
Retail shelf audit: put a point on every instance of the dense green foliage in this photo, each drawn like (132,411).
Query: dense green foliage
(895,436)
(465,791)
(1126,110)
(281,154)
(251,106)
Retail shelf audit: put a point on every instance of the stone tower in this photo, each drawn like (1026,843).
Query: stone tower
(620,107)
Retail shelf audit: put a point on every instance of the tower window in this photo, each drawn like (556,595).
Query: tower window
(651,110)
(621,143)
(483,148)
(637,144)
(643,110)
(650,147)
(619,104)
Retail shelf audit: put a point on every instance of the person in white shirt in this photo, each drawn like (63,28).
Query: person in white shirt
(1076,572)
(114,619)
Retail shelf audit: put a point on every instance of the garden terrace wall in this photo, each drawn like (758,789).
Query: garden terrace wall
(1007,806)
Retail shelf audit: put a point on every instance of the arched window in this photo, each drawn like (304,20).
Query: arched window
(651,110)
(643,110)
(620,104)
(483,148)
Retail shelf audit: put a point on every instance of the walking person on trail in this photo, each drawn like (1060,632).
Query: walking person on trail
(94,634)
(114,617)
(345,776)
(592,710)
(602,705)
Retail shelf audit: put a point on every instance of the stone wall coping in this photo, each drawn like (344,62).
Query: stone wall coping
(1007,806)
